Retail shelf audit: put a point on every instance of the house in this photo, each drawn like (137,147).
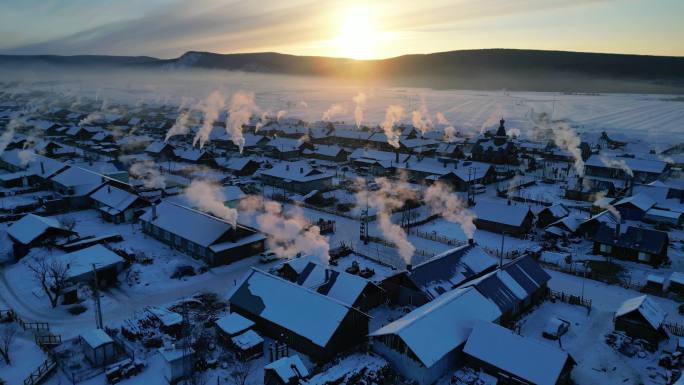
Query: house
(676,283)
(179,363)
(551,214)
(195,155)
(98,347)
(37,170)
(440,274)
(658,216)
(426,343)
(33,230)
(239,166)
(642,170)
(641,317)
(285,371)
(514,359)
(510,219)
(231,196)
(514,288)
(634,207)
(497,150)
(201,235)
(327,152)
(75,184)
(161,150)
(309,322)
(232,325)
(115,204)
(375,162)
(349,289)
(635,244)
(299,177)
(97,259)
(286,148)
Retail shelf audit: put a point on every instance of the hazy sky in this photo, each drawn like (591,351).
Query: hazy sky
(359,29)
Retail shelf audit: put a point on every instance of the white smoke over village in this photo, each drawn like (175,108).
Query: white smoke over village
(567,139)
(393,114)
(360,105)
(211,107)
(289,233)
(148,172)
(391,196)
(421,118)
(442,200)
(449,129)
(334,110)
(241,108)
(208,197)
(599,200)
(180,127)
(617,163)
(280,115)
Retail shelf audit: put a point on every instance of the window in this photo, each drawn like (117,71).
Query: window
(606,249)
(644,257)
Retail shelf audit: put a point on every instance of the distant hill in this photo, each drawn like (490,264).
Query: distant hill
(474,69)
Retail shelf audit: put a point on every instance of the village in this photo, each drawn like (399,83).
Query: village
(161,243)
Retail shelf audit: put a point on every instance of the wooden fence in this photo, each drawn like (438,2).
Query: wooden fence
(674,328)
(571,299)
(41,372)
(433,236)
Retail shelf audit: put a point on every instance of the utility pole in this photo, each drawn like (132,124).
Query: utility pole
(96,296)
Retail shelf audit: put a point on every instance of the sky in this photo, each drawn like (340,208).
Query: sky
(339,28)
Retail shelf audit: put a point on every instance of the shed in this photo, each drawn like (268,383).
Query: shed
(98,347)
(641,317)
(231,325)
(32,230)
(676,283)
(178,363)
(81,263)
(248,345)
(285,371)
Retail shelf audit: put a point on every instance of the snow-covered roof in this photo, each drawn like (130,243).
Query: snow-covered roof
(81,262)
(300,171)
(438,327)
(189,154)
(247,340)
(233,324)
(325,150)
(512,215)
(187,223)
(650,310)
(658,213)
(635,164)
(305,312)
(157,146)
(534,361)
(677,277)
(114,197)
(641,201)
(31,226)
(285,144)
(340,285)
(81,180)
(284,368)
(235,163)
(96,338)
(449,269)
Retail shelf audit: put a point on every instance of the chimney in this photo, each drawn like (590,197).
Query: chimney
(327,275)
(409,267)
(471,241)
(396,156)
(509,202)
(154,212)
(287,167)
(42,168)
(617,230)
(109,189)
(301,170)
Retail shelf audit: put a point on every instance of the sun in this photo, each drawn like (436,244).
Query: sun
(358,36)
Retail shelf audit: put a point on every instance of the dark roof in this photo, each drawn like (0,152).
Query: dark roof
(635,238)
(451,268)
(511,284)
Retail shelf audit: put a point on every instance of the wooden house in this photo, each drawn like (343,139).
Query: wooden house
(641,317)
(636,244)
(511,219)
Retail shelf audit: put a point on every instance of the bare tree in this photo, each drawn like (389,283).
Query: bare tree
(52,276)
(7,337)
(240,372)
(68,224)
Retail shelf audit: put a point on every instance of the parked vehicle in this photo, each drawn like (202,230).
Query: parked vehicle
(555,328)
(267,257)
(478,189)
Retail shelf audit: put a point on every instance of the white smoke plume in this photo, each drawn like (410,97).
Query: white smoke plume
(26,156)
(514,132)
(91,117)
(617,163)
(597,200)
(288,233)
(263,120)
(450,132)
(566,138)
(148,172)
(451,207)
(393,114)
(421,118)
(6,137)
(360,102)
(211,107)
(332,111)
(208,197)
(303,104)
(240,111)
(388,198)
(280,115)
(492,121)
(180,127)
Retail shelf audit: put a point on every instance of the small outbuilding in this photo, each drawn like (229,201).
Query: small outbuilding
(99,348)
(285,371)
(641,317)
(178,363)
(248,345)
(232,325)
